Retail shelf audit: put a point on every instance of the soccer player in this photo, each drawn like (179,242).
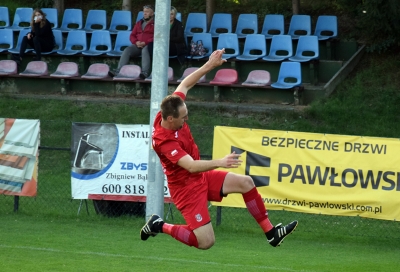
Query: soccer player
(193,182)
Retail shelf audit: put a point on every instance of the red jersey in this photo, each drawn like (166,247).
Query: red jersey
(170,146)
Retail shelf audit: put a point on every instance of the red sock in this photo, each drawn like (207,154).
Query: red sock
(255,206)
(182,233)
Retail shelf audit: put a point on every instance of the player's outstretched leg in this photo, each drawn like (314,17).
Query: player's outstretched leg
(152,227)
(278,233)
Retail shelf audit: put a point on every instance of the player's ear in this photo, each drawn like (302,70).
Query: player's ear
(170,118)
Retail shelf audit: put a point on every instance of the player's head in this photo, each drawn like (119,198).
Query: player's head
(174,111)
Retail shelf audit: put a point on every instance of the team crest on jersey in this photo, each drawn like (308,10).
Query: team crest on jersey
(198,217)
(174,152)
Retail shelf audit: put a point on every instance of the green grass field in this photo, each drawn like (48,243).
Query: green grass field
(33,243)
(48,235)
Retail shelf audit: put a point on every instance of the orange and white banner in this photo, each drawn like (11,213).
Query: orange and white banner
(316,173)
(19,151)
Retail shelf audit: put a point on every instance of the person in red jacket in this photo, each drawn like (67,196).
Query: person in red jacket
(142,34)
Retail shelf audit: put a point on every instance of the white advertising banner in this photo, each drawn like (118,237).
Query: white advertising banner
(109,161)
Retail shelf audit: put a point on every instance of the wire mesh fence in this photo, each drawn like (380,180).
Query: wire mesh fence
(54,196)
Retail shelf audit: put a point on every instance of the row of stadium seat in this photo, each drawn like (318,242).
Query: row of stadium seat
(223,77)
(255,46)
(273,24)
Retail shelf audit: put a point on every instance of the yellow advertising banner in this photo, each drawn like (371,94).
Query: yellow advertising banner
(316,173)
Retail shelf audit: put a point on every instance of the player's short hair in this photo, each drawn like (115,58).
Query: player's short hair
(170,105)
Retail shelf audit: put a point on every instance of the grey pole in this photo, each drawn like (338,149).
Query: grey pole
(159,87)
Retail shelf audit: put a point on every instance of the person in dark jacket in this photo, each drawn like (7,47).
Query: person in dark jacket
(177,44)
(40,38)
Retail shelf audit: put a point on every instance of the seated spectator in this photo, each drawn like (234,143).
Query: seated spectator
(177,45)
(40,38)
(142,34)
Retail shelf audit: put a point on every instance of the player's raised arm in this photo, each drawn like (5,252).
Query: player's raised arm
(214,61)
(195,166)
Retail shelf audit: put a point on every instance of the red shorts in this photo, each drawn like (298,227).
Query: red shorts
(192,199)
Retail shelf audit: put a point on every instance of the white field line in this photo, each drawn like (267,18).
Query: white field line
(105,254)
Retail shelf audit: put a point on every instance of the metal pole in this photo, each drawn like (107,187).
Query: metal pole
(159,87)
(16,203)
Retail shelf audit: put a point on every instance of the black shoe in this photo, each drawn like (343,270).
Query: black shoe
(278,233)
(152,227)
(142,76)
(17,59)
(112,73)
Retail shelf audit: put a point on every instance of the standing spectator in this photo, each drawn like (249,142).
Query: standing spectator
(40,38)
(177,44)
(142,34)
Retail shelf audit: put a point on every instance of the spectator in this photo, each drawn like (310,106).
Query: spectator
(142,34)
(177,44)
(40,38)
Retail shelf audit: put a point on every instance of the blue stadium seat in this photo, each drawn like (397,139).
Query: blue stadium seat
(207,43)
(255,47)
(6,39)
(307,49)
(52,16)
(22,15)
(281,48)
(300,25)
(95,20)
(72,20)
(230,42)
(139,16)
(220,23)
(121,20)
(289,75)
(195,21)
(99,38)
(121,41)
(274,24)
(326,27)
(4,17)
(247,24)
(22,34)
(76,43)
